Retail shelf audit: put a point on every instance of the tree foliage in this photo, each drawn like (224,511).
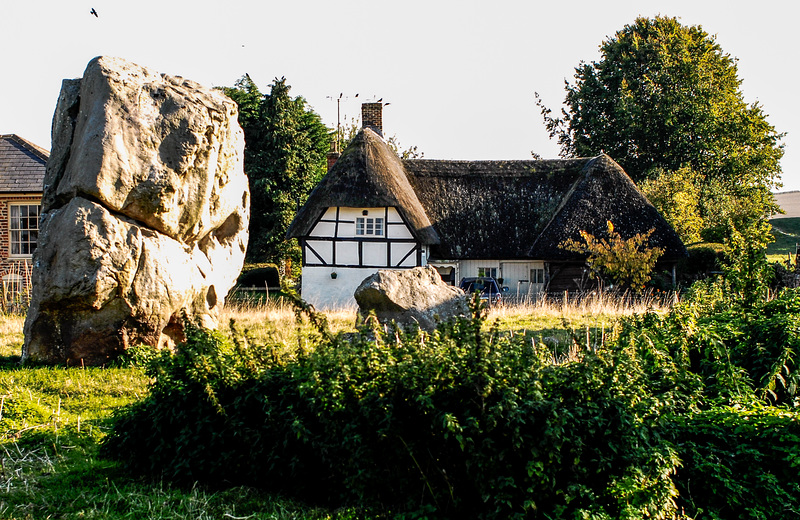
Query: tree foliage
(676,195)
(664,97)
(286,145)
(628,262)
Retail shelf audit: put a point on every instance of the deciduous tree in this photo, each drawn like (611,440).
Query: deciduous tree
(663,97)
(676,195)
(628,262)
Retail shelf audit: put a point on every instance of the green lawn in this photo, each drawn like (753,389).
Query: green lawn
(51,422)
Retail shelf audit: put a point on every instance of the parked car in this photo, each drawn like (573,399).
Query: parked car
(487,287)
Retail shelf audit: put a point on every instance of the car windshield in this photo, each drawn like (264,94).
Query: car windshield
(480,285)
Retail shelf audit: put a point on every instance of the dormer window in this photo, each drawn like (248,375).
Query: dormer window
(368,226)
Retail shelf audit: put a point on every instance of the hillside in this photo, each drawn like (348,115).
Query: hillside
(789,202)
(786,227)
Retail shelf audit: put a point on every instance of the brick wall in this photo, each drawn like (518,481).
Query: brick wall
(372,116)
(19,265)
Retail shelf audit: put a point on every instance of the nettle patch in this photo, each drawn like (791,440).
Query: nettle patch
(469,421)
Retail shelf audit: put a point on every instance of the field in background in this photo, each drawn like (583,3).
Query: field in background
(785,227)
(787,237)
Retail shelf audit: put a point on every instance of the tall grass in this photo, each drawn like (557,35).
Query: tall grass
(15,288)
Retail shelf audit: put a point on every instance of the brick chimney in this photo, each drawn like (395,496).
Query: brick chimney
(333,154)
(372,117)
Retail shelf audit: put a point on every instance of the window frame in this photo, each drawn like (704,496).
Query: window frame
(370,227)
(487,272)
(15,234)
(535,276)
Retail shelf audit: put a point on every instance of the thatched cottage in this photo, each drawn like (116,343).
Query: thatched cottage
(504,219)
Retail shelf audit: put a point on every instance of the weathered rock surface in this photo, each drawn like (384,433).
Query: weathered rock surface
(411,296)
(144,215)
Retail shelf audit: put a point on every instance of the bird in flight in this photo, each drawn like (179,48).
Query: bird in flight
(93,12)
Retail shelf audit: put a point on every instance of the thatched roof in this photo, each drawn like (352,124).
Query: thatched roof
(368,174)
(606,193)
(491,209)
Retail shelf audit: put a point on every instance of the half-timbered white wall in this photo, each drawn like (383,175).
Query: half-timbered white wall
(335,246)
(324,292)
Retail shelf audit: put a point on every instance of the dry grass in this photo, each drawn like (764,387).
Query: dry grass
(592,307)
(563,324)
(11,334)
(275,321)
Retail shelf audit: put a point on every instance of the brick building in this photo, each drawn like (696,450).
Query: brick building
(22,167)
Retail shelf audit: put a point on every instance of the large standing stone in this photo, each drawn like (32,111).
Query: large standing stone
(410,296)
(144,214)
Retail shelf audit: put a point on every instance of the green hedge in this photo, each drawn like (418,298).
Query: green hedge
(464,424)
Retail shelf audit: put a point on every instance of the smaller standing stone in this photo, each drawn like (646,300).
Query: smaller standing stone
(411,296)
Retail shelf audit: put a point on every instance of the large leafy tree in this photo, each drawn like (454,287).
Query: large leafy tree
(286,145)
(664,97)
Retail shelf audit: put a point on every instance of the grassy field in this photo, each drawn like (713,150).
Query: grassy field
(787,235)
(52,419)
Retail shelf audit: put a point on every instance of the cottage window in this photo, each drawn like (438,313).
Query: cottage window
(23,228)
(369,226)
(537,275)
(487,272)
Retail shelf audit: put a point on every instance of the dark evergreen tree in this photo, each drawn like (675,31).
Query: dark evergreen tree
(286,145)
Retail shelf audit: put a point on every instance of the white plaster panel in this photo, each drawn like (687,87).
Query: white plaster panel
(324,292)
(324,229)
(398,231)
(324,249)
(348,216)
(347,253)
(401,250)
(374,253)
(394,215)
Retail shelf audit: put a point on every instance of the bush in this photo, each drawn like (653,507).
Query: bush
(462,423)
(703,260)
(739,462)
(672,415)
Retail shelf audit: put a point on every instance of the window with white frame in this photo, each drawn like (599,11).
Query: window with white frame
(537,275)
(369,226)
(487,272)
(23,228)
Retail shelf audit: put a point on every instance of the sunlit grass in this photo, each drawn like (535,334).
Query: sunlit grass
(275,321)
(11,334)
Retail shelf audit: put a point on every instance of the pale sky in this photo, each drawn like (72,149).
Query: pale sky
(460,75)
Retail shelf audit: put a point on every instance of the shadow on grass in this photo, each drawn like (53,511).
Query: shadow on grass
(10,362)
